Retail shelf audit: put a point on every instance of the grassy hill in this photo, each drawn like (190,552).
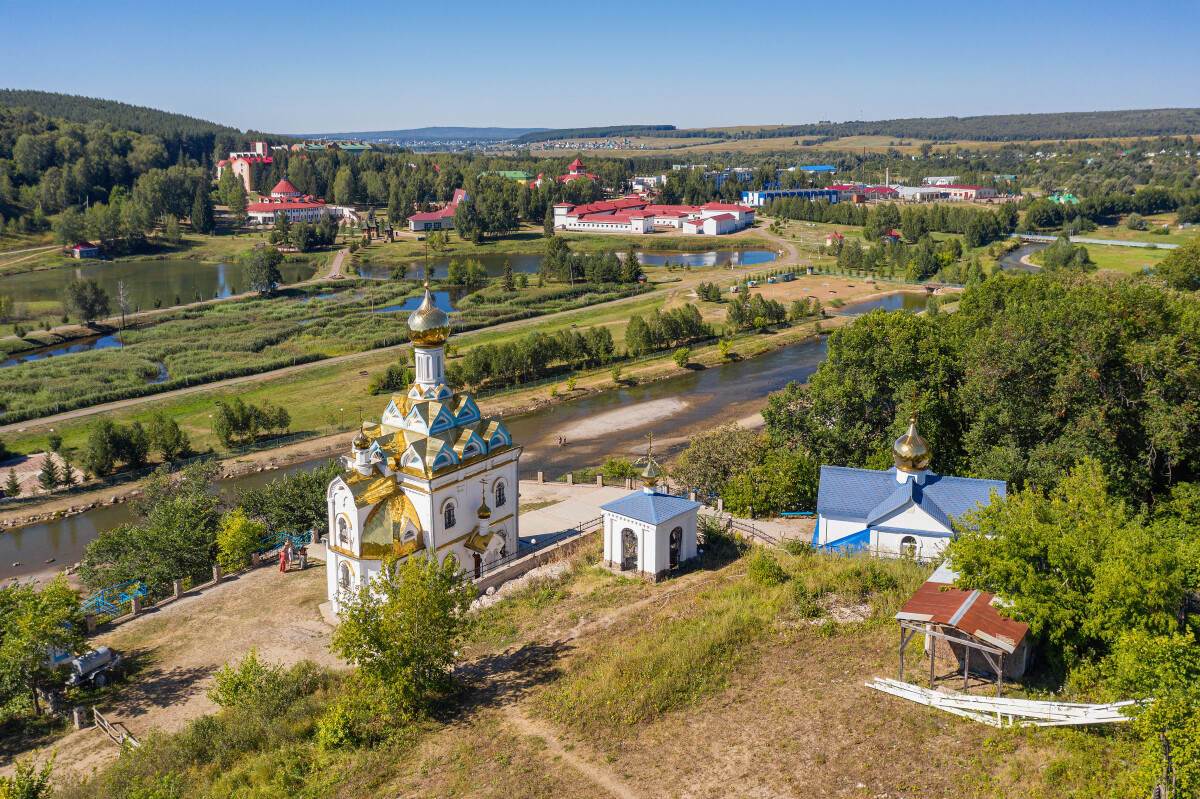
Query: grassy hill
(581,684)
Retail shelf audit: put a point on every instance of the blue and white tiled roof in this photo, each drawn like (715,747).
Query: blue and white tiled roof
(650,508)
(868,495)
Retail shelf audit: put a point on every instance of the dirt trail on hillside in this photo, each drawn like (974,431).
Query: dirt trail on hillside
(574,756)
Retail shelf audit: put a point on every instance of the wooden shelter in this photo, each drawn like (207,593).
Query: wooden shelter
(969,624)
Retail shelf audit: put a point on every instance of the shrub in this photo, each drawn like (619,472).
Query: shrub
(765,570)
(863,579)
(237,538)
(681,356)
(242,685)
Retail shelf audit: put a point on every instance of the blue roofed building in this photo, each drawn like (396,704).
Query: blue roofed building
(904,511)
(649,533)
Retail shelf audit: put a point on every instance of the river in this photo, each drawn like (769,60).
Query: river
(1012,260)
(530,263)
(145,281)
(596,426)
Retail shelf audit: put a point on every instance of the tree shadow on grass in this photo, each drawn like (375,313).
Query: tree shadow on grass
(503,677)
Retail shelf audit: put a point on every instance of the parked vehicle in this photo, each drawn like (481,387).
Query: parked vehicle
(94,667)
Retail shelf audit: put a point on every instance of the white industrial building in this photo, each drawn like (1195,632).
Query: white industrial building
(633,215)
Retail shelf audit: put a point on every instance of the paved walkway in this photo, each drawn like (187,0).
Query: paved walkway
(581,503)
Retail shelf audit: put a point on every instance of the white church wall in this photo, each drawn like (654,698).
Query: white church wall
(927,547)
(911,517)
(833,528)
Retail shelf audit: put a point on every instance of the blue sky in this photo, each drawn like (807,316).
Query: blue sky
(302,67)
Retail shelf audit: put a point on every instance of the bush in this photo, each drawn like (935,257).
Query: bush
(765,570)
(618,469)
(863,579)
(237,538)
(681,356)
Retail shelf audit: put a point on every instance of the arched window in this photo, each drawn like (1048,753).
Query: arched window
(500,498)
(908,546)
(448,515)
(343,532)
(503,543)
(345,576)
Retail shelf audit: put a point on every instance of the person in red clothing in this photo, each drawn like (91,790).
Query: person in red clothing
(283,560)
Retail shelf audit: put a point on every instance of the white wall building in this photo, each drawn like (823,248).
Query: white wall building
(432,479)
(649,533)
(633,215)
(904,511)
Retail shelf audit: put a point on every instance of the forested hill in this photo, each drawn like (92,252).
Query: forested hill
(199,138)
(432,134)
(1006,127)
(594,133)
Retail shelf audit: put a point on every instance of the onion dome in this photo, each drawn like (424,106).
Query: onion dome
(650,474)
(911,452)
(429,325)
(361,441)
(484,511)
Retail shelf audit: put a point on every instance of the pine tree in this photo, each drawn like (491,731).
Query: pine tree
(67,478)
(12,486)
(237,204)
(283,225)
(202,211)
(49,477)
(548,225)
(508,283)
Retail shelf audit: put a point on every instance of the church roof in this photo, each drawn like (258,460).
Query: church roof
(868,495)
(653,508)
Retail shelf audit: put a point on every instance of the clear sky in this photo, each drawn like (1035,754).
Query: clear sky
(301,67)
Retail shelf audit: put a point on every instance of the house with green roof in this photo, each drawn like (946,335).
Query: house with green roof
(521,177)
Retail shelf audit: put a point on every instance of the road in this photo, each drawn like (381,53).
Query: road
(789,258)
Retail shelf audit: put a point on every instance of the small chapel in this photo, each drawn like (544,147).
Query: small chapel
(650,533)
(432,479)
(905,511)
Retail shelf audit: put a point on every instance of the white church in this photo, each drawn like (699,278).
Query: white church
(905,511)
(433,478)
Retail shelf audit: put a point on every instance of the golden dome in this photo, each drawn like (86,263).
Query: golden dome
(361,441)
(911,452)
(484,511)
(650,474)
(429,325)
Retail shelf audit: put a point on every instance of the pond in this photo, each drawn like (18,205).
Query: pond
(529,263)
(900,301)
(1012,260)
(442,299)
(86,345)
(144,280)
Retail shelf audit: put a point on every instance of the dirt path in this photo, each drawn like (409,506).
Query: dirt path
(601,777)
(36,252)
(177,648)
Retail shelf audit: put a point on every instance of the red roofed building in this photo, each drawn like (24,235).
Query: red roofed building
(85,249)
(881,193)
(284,188)
(968,192)
(635,215)
(299,207)
(574,171)
(834,239)
(441,219)
(970,615)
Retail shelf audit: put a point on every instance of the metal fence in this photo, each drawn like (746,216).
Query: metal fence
(540,543)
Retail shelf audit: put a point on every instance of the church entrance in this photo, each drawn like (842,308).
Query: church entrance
(676,543)
(478,564)
(629,545)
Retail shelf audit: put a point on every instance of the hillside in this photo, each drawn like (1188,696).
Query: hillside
(430,134)
(990,128)
(198,137)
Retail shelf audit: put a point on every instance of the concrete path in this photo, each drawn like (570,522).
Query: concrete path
(581,503)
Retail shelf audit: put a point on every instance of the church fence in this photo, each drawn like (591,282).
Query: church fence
(542,542)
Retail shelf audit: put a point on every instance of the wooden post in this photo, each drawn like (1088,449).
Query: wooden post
(255,560)
(966,665)
(720,505)
(90,621)
(570,478)
(135,605)
(600,481)
(216,572)
(1000,677)
(902,643)
(178,588)
(932,655)
(541,477)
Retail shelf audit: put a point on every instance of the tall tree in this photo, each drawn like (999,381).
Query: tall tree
(202,211)
(261,269)
(33,623)
(86,300)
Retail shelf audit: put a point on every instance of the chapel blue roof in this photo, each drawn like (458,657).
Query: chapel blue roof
(868,495)
(653,508)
